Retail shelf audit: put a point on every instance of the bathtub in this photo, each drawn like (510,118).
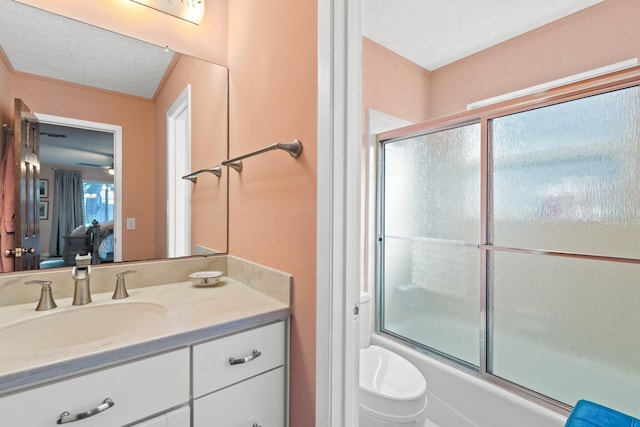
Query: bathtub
(457,399)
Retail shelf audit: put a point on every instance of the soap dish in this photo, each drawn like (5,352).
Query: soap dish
(205,278)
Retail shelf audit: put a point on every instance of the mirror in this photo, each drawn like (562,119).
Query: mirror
(134,90)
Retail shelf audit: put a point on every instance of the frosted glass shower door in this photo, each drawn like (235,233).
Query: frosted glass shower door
(429,249)
(565,244)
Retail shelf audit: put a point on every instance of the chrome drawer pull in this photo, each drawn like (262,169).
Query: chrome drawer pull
(254,355)
(66,417)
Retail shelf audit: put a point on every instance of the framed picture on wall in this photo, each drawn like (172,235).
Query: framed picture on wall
(44,210)
(43,188)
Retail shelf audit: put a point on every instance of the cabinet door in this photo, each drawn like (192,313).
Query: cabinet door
(258,401)
(136,389)
(179,418)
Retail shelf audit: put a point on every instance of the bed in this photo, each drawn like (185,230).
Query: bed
(96,239)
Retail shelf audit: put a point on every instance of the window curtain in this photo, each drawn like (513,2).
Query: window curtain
(67,212)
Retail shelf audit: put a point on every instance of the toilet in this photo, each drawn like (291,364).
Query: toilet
(393,392)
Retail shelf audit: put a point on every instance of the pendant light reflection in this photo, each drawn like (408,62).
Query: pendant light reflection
(189,10)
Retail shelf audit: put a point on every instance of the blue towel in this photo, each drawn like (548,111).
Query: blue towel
(589,414)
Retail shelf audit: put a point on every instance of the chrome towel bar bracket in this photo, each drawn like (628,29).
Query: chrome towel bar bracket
(236,164)
(217,171)
(294,148)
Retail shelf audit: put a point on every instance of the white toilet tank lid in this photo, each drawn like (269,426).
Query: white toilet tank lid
(390,386)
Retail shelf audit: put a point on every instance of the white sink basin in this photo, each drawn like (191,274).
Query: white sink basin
(77,325)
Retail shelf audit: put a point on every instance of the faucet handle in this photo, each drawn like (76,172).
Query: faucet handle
(121,290)
(46,298)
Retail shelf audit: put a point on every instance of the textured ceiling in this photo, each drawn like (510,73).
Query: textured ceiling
(41,43)
(431,33)
(45,44)
(434,33)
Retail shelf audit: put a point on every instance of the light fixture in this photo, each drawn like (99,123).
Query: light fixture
(189,10)
(110,170)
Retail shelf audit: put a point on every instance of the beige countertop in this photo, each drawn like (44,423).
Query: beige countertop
(193,314)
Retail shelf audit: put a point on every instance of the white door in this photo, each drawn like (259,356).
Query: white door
(179,165)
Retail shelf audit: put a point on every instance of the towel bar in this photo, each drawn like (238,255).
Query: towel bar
(216,170)
(294,148)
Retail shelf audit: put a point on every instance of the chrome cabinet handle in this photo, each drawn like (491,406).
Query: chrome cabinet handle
(254,355)
(66,417)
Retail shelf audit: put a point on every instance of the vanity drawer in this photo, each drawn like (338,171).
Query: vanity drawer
(258,401)
(213,370)
(138,389)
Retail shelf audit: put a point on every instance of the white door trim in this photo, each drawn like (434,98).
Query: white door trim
(116,130)
(338,212)
(179,165)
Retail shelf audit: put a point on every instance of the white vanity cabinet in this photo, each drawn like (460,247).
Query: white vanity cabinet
(137,390)
(239,380)
(178,418)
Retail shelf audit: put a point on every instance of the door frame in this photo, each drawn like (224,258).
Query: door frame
(116,131)
(178,165)
(338,231)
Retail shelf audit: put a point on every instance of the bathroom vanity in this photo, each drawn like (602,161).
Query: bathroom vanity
(215,355)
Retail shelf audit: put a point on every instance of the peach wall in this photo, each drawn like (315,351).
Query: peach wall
(135,115)
(391,84)
(6,106)
(600,35)
(272,202)
(208,148)
(206,41)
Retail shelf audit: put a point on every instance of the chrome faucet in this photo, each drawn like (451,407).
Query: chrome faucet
(81,273)
(46,299)
(121,290)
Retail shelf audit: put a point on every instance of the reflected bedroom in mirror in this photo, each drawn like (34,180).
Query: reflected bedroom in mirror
(98,131)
